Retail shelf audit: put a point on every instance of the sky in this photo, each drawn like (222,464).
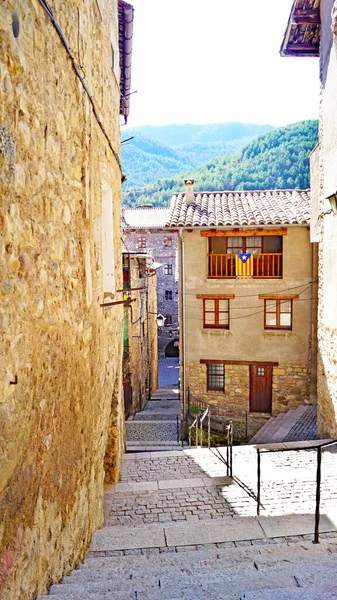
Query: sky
(217,61)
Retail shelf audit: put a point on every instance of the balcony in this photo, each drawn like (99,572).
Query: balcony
(265,266)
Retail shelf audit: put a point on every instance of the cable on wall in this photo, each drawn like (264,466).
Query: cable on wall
(61,35)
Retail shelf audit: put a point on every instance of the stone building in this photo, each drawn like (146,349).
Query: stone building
(143,232)
(246,283)
(61,405)
(312,31)
(140,357)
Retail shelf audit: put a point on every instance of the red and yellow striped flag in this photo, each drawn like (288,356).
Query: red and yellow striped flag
(244,265)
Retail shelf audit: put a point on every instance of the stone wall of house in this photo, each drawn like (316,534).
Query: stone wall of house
(60,351)
(164,255)
(290,387)
(324,173)
(140,365)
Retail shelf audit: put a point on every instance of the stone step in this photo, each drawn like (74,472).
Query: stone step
(152,446)
(155,416)
(276,428)
(201,561)
(145,431)
(182,583)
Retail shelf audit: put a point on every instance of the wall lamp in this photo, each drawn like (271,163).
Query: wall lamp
(160,320)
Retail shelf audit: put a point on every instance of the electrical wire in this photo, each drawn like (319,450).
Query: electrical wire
(63,38)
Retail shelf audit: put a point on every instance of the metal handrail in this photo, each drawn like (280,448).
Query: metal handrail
(195,423)
(319,448)
(201,420)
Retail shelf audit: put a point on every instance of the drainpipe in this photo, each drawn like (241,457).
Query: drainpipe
(183,314)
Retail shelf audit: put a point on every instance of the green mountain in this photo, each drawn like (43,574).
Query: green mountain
(277,160)
(157,152)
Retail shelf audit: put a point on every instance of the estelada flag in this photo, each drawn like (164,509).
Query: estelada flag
(244,265)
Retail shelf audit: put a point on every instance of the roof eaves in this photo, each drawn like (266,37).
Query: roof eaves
(302,35)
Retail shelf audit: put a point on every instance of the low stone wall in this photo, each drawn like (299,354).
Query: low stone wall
(291,387)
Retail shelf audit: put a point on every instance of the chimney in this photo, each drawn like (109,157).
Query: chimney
(189,194)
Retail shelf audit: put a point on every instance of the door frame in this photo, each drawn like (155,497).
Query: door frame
(267,400)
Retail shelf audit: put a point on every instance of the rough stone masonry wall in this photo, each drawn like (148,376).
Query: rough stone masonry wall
(62,351)
(325,173)
(290,388)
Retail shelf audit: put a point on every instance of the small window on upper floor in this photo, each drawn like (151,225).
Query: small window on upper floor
(168,295)
(278,314)
(168,320)
(216,313)
(167,241)
(142,242)
(168,270)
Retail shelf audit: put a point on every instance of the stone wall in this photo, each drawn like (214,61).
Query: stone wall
(164,255)
(290,387)
(324,177)
(140,364)
(60,352)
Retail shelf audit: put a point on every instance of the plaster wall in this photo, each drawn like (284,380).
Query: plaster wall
(63,414)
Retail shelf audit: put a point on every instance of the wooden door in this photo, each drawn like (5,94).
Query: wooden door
(260,399)
(127,398)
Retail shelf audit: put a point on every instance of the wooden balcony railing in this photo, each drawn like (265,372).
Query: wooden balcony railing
(266,266)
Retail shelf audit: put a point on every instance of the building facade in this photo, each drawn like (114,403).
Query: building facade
(246,285)
(143,231)
(140,356)
(316,35)
(61,404)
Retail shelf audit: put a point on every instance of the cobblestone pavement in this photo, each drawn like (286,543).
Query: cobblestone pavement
(194,504)
(305,428)
(163,468)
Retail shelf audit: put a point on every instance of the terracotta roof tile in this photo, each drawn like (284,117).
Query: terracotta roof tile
(240,209)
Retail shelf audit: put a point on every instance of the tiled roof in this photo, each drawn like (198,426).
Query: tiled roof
(145,218)
(239,209)
(302,35)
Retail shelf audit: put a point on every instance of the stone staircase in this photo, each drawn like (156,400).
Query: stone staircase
(278,429)
(176,528)
(157,427)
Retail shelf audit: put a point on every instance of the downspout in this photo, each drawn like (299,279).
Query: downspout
(183,314)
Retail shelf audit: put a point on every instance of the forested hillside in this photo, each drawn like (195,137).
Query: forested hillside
(157,152)
(278,159)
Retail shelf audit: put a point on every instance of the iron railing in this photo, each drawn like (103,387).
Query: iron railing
(198,424)
(318,448)
(220,415)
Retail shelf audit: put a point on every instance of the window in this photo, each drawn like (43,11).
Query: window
(216,313)
(266,254)
(167,240)
(167,269)
(168,295)
(168,321)
(260,371)
(278,314)
(215,377)
(142,242)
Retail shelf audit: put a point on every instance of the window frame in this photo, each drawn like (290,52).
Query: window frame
(168,295)
(278,312)
(216,312)
(142,242)
(168,321)
(210,387)
(168,269)
(168,241)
